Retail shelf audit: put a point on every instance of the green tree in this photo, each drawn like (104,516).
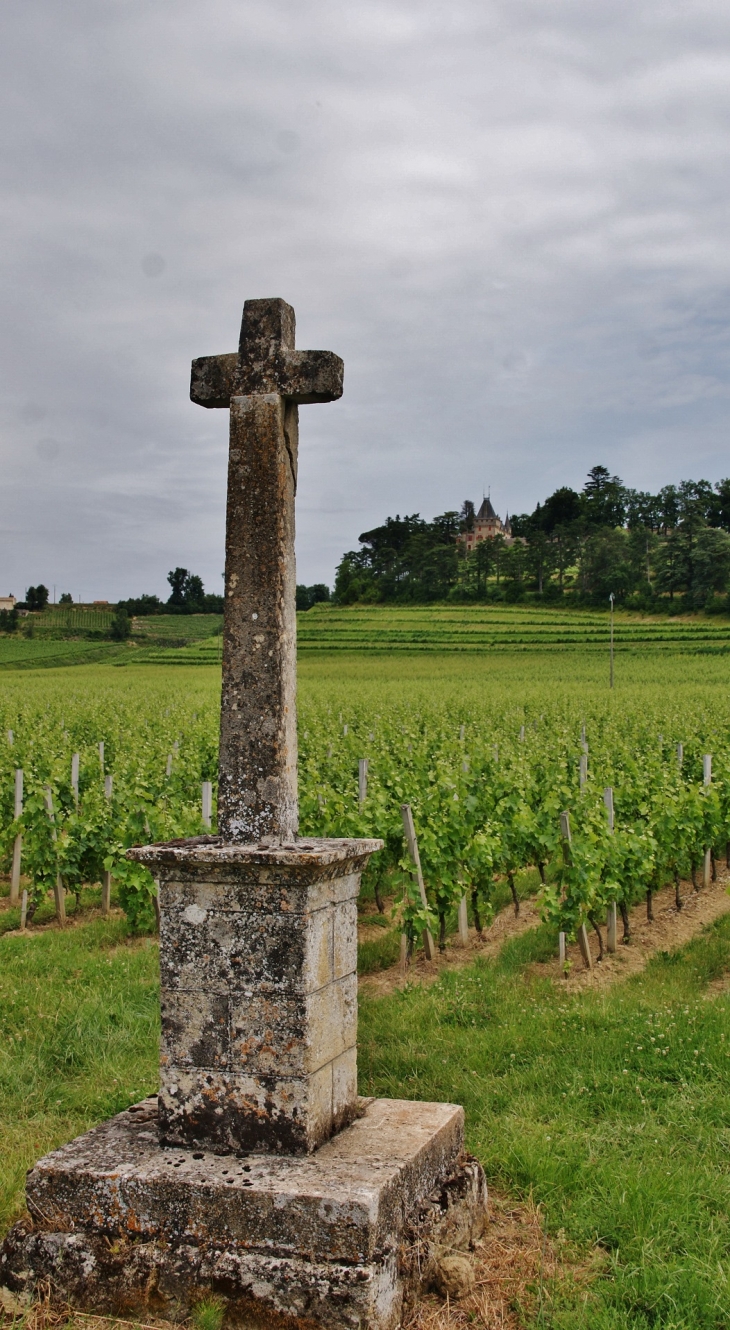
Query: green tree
(187,591)
(710,563)
(604,498)
(121,626)
(641,552)
(307,596)
(467,515)
(540,558)
(672,566)
(605,566)
(36,597)
(559,509)
(482,561)
(719,508)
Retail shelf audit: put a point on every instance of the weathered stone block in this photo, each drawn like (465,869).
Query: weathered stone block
(344,1083)
(344,937)
(296,1035)
(228,1111)
(195,1029)
(258,961)
(122,1226)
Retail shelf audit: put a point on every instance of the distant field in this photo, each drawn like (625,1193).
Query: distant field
(157,639)
(495,628)
(177,627)
(46,653)
(64,620)
(479,632)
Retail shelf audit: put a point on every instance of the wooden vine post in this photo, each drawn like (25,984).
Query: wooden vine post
(565,836)
(106,882)
(362,782)
(412,843)
(59,894)
(18,842)
(581,931)
(707,779)
(207,803)
(463,922)
(611,917)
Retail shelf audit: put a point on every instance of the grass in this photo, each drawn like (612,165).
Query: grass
(610,1109)
(89,899)
(80,1020)
(177,628)
(157,639)
(23,653)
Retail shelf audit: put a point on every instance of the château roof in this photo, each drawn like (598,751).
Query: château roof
(486,512)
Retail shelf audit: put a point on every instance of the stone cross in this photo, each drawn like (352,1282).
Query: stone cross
(262,385)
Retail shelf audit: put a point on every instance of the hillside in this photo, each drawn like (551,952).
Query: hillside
(196,639)
(501,628)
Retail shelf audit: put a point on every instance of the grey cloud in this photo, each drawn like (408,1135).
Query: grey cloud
(509,218)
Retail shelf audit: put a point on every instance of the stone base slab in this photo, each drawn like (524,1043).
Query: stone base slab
(119,1224)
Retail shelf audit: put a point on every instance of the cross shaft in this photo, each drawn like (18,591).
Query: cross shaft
(262,385)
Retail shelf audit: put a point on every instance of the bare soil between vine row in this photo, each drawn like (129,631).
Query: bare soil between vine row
(670,929)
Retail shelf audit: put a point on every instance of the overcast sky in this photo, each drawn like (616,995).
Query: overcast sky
(510,219)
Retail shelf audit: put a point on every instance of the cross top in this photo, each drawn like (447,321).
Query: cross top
(262,384)
(266,362)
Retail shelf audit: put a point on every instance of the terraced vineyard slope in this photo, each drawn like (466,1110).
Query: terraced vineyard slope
(504,627)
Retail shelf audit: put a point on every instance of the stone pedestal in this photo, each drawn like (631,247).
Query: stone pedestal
(258,991)
(257,1174)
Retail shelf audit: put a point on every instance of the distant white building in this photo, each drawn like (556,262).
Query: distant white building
(7,602)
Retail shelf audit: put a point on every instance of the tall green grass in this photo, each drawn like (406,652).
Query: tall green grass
(79,1015)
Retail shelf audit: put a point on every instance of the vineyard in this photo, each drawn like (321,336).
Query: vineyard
(490,629)
(610,797)
(607,1106)
(472,631)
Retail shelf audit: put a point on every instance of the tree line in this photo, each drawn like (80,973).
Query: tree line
(669,550)
(187,596)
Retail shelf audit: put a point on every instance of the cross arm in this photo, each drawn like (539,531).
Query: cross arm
(213,380)
(302,376)
(312,376)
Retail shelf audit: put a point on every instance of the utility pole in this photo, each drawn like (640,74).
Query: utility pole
(611,669)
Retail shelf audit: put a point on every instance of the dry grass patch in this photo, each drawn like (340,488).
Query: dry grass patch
(518,1272)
